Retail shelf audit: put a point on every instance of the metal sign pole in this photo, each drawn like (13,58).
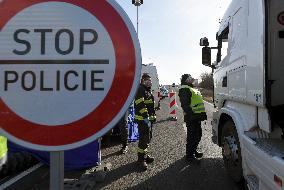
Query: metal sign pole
(57,170)
(99,152)
(137,20)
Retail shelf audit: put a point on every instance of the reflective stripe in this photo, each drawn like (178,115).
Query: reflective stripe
(145,151)
(138,117)
(198,105)
(198,109)
(148,101)
(139,101)
(3,159)
(143,110)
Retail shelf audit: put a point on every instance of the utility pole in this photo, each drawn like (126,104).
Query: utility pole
(137,3)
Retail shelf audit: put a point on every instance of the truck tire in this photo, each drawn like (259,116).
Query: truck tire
(231,151)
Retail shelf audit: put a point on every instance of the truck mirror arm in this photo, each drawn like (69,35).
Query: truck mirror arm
(213,66)
(218,54)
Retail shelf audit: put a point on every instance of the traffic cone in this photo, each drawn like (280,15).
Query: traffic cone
(173,105)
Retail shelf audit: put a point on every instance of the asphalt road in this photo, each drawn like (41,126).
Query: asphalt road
(170,170)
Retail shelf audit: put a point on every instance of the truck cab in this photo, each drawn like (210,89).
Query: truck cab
(248,77)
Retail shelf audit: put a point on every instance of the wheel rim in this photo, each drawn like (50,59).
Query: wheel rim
(231,150)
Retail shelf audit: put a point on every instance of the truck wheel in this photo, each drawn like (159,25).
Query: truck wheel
(231,151)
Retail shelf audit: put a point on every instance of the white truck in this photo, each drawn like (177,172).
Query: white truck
(249,91)
(152,71)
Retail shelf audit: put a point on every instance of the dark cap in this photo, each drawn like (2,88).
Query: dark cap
(184,77)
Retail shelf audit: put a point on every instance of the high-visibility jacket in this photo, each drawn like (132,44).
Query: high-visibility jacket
(144,104)
(3,150)
(196,102)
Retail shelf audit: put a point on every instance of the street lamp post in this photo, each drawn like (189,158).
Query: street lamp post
(137,3)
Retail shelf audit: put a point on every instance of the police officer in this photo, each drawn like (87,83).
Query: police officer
(144,117)
(194,112)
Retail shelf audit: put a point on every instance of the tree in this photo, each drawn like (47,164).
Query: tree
(206,80)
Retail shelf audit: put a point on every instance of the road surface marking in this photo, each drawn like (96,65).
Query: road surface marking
(20,176)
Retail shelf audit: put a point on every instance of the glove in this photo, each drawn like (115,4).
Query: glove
(147,122)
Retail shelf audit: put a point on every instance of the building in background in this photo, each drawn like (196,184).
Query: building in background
(152,71)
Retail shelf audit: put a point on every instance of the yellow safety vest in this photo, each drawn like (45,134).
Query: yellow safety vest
(3,146)
(197,104)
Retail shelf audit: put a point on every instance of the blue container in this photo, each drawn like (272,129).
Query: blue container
(82,157)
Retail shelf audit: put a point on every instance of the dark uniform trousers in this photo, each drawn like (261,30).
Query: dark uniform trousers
(123,132)
(144,139)
(194,134)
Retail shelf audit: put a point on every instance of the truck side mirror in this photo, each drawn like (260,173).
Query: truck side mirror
(206,56)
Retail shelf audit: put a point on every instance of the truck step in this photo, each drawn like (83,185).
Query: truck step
(273,147)
(252,182)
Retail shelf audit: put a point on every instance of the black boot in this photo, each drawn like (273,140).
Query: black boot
(193,160)
(198,154)
(124,149)
(149,159)
(142,165)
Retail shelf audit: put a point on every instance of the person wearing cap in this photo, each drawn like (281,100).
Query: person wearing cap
(144,117)
(194,112)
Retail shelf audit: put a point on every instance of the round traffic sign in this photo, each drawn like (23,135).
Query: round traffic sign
(70,70)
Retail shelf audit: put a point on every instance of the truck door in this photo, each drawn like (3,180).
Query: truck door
(275,54)
(220,74)
(276,50)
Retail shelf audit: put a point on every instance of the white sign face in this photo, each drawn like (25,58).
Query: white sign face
(58,69)
(69,69)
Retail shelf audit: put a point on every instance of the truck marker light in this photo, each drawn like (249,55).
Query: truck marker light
(278,180)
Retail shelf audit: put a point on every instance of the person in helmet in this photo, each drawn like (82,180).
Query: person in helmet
(194,112)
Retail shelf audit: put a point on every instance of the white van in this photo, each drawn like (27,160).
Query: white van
(152,71)
(249,91)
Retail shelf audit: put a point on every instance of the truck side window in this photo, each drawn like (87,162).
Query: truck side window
(223,44)
(224,48)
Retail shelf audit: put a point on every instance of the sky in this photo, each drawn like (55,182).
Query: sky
(169,32)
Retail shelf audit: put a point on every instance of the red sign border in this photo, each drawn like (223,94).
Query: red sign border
(84,128)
